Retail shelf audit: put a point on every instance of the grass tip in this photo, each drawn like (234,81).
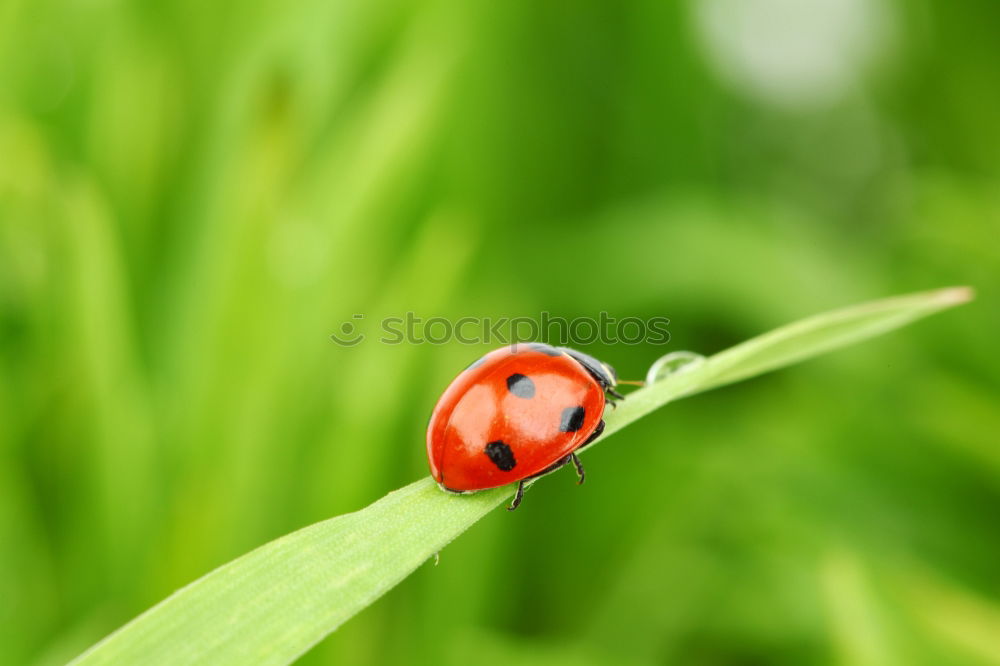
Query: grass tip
(955,295)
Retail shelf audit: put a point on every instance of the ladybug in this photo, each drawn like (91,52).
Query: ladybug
(518,413)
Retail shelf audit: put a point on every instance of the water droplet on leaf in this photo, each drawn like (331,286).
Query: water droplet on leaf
(671,364)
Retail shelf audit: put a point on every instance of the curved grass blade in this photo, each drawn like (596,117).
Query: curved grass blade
(272,604)
(787,345)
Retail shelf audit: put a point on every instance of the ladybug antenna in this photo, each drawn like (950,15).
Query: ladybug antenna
(632,382)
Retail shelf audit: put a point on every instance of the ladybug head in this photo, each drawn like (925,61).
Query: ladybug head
(599,370)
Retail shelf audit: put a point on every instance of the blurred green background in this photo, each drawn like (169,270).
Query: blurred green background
(194,196)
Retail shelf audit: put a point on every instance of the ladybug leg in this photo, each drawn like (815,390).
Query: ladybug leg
(579,469)
(562,462)
(517,496)
(594,435)
(612,397)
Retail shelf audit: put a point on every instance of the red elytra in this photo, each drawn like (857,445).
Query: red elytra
(517,413)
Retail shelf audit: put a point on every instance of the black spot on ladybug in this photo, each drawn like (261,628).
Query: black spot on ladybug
(572,419)
(521,386)
(501,455)
(545,349)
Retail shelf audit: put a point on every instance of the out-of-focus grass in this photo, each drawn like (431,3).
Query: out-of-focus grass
(193,197)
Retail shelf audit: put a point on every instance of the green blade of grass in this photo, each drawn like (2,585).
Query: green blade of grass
(786,345)
(272,604)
